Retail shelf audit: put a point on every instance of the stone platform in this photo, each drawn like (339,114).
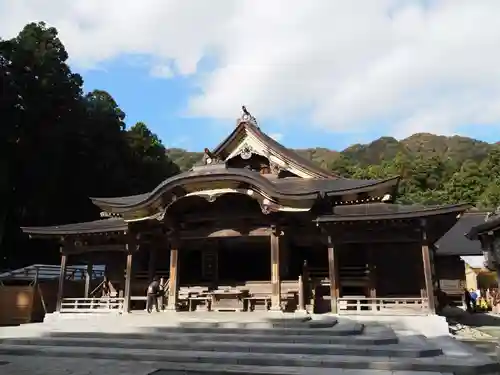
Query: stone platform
(240,343)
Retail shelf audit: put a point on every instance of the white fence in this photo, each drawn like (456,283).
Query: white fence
(389,306)
(92,305)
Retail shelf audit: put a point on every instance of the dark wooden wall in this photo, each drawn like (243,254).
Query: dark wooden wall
(450,271)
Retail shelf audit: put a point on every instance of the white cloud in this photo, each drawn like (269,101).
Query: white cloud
(421,65)
(161,71)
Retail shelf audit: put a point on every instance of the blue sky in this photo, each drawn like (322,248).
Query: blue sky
(161,104)
(328,74)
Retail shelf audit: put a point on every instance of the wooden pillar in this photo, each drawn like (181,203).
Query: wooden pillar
(333,275)
(302,300)
(173,288)
(88,279)
(372,277)
(128,279)
(62,276)
(308,292)
(275,270)
(426,258)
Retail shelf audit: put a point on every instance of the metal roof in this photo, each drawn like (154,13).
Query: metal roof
(50,272)
(454,242)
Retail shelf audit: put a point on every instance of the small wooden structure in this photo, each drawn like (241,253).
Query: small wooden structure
(28,293)
(256,226)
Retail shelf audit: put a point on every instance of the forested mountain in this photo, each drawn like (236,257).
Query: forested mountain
(434,169)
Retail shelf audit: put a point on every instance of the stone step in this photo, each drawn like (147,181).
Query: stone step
(455,365)
(248,337)
(341,329)
(391,350)
(77,366)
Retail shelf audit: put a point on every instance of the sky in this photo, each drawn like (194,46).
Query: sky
(320,73)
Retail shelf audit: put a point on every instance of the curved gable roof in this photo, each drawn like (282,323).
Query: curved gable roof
(292,189)
(277,147)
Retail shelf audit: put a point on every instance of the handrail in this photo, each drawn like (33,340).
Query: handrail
(92,305)
(381,305)
(97,288)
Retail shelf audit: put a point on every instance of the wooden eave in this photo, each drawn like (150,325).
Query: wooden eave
(435,221)
(104,226)
(297,190)
(477,231)
(377,211)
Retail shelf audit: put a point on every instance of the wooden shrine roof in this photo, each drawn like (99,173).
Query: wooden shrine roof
(440,219)
(493,224)
(287,188)
(454,242)
(246,126)
(97,226)
(387,211)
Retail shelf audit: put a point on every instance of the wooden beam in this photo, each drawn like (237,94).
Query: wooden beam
(333,274)
(429,285)
(275,270)
(79,249)
(173,289)
(224,232)
(62,276)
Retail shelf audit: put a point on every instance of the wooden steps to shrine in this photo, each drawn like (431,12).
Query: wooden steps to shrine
(249,347)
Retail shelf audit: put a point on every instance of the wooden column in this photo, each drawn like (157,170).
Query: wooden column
(302,301)
(333,274)
(88,279)
(275,270)
(372,277)
(173,288)
(426,258)
(128,279)
(62,276)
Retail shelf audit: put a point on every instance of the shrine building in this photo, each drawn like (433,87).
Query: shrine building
(257,226)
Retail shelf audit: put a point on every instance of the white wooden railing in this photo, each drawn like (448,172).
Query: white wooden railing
(92,305)
(366,305)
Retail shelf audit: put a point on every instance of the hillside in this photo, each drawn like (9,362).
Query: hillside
(434,169)
(456,148)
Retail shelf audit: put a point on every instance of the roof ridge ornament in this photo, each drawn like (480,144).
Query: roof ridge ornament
(209,158)
(247,117)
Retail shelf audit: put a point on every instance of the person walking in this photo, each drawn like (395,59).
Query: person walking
(152,295)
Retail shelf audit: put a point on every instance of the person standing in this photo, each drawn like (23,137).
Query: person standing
(473,299)
(152,295)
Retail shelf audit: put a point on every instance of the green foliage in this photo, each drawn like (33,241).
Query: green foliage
(433,169)
(59,146)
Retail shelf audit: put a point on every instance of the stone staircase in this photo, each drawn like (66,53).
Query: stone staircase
(278,346)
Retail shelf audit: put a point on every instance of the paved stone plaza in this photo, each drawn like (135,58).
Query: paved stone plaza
(243,343)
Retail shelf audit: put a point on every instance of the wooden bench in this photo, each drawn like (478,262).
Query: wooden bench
(259,296)
(191,296)
(228,299)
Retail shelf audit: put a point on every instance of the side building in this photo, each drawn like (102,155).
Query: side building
(257,226)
